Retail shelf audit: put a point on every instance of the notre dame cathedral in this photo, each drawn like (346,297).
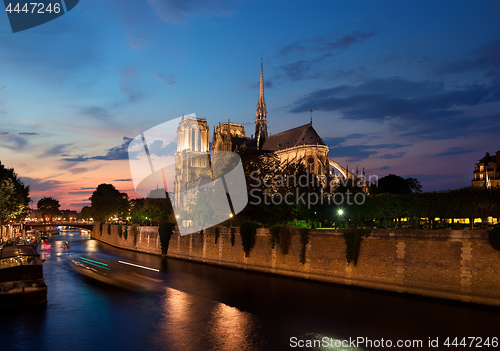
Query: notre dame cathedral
(297,145)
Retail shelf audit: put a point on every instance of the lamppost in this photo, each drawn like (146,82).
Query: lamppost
(340,212)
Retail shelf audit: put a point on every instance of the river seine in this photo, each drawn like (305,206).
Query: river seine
(201,307)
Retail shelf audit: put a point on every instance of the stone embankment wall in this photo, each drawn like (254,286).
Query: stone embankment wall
(449,264)
(141,239)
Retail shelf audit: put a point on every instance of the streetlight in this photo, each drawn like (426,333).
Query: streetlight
(340,212)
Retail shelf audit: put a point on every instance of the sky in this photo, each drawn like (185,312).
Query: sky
(404,87)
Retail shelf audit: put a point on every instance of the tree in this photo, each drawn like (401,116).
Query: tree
(10,206)
(14,196)
(86,213)
(152,210)
(393,184)
(107,202)
(48,207)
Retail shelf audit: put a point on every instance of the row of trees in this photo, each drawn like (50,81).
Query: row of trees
(108,204)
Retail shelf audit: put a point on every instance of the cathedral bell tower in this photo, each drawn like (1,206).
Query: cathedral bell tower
(261,114)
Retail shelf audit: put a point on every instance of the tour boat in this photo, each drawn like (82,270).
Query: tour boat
(21,277)
(115,273)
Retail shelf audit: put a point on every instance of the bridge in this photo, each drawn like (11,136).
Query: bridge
(31,225)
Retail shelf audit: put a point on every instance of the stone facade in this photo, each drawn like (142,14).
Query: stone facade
(191,159)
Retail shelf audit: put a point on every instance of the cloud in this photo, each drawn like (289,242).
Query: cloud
(298,70)
(356,153)
(28,133)
(181,11)
(41,185)
(95,112)
(333,141)
(80,204)
(169,80)
(268,84)
(3,87)
(80,192)
(391,156)
(136,42)
(384,168)
(484,58)
(115,153)
(122,180)
(314,53)
(321,44)
(405,104)
(128,87)
(355,136)
(78,170)
(456,127)
(157,148)
(12,142)
(454,151)
(56,150)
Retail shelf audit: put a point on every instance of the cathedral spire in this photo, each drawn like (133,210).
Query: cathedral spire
(261,114)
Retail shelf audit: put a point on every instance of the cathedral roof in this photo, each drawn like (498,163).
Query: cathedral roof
(243,143)
(303,135)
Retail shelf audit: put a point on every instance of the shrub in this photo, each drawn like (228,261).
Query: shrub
(100,228)
(456,226)
(248,231)
(353,238)
(165,231)
(134,231)
(494,236)
(217,233)
(304,240)
(125,232)
(109,229)
(233,237)
(284,240)
(120,230)
(274,231)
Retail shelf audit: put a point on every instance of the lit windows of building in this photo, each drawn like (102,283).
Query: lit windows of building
(487,172)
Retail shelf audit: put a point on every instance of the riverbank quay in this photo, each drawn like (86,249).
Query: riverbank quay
(458,265)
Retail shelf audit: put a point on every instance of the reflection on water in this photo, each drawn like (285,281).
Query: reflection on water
(231,328)
(189,320)
(202,307)
(177,321)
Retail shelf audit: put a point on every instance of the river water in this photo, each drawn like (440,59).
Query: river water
(201,307)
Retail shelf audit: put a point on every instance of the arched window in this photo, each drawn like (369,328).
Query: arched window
(193,139)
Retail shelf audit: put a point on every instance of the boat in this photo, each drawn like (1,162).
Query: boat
(47,233)
(21,277)
(53,231)
(65,245)
(114,273)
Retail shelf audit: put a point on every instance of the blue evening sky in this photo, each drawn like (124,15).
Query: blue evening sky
(404,87)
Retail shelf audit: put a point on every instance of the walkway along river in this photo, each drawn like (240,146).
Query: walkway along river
(202,307)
